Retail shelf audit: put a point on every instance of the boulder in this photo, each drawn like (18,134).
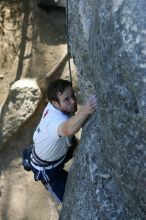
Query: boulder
(21,103)
(107,180)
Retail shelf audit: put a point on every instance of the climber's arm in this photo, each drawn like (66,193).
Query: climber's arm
(74,124)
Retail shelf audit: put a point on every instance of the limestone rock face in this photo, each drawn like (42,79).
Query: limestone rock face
(108,43)
(21,103)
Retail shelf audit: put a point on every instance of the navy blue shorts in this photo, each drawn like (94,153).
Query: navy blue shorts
(53,177)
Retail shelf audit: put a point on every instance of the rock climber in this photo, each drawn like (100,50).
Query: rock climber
(54,138)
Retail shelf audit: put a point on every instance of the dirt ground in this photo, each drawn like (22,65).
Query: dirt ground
(21,198)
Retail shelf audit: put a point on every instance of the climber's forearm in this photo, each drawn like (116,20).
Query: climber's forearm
(73,125)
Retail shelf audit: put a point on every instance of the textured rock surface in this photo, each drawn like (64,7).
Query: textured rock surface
(20,105)
(108,178)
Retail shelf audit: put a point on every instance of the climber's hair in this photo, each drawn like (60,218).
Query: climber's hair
(55,87)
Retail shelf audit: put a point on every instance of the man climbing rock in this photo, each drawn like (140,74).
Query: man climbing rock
(54,139)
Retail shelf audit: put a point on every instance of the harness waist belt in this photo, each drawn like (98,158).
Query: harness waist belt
(44,162)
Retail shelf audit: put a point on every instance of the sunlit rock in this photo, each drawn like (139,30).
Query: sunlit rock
(21,103)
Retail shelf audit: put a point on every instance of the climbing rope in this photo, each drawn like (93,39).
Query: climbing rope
(68,47)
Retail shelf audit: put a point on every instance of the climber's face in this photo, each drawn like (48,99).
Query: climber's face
(67,101)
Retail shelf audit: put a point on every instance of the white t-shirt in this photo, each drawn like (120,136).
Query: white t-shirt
(48,145)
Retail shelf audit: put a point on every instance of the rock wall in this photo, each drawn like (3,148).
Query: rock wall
(108,43)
